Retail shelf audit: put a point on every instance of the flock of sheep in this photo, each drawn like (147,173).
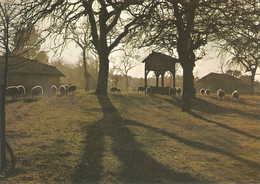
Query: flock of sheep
(19,91)
(148,90)
(220,93)
(177,91)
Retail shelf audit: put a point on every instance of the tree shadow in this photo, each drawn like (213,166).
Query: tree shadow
(240,101)
(11,101)
(30,100)
(200,146)
(175,102)
(224,126)
(209,108)
(137,166)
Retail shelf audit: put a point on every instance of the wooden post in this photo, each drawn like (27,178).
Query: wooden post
(162,74)
(157,78)
(173,76)
(145,79)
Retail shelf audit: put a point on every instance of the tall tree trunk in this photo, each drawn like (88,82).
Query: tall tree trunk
(252,82)
(126,83)
(86,73)
(193,90)
(2,110)
(102,74)
(2,129)
(188,87)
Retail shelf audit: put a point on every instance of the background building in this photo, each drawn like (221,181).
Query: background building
(228,83)
(23,71)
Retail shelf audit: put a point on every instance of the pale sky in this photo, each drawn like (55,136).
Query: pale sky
(209,63)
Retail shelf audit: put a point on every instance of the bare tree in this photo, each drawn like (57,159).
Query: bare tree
(80,34)
(10,23)
(109,22)
(128,62)
(240,38)
(185,26)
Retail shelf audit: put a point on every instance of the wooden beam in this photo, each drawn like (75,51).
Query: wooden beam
(162,74)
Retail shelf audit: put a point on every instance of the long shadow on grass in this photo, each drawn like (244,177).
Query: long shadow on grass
(176,102)
(224,126)
(136,166)
(199,145)
(211,108)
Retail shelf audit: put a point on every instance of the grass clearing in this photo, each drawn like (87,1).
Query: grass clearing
(136,138)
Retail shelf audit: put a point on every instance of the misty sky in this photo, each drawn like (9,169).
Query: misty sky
(209,63)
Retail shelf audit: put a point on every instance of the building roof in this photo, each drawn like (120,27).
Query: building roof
(223,78)
(21,65)
(158,56)
(157,61)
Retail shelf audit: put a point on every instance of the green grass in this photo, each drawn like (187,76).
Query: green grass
(136,138)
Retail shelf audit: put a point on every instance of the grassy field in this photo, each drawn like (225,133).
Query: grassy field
(134,138)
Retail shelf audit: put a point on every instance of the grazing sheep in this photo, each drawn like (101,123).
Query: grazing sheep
(12,91)
(53,90)
(172,91)
(71,89)
(149,90)
(141,89)
(119,90)
(113,89)
(202,91)
(21,91)
(36,91)
(178,90)
(207,91)
(62,90)
(221,93)
(66,86)
(235,94)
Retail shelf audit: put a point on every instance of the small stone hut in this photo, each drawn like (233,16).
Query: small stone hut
(27,72)
(159,63)
(215,81)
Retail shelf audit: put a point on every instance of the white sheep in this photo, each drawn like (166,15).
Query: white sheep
(71,89)
(221,93)
(172,91)
(53,90)
(207,91)
(202,91)
(235,94)
(12,91)
(36,91)
(63,90)
(178,90)
(21,91)
(149,90)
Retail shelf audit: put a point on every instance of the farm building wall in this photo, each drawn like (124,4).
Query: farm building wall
(215,81)
(214,86)
(32,80)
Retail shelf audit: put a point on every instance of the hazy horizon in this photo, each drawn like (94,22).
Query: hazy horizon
(211,62)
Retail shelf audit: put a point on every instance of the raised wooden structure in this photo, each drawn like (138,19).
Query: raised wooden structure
(159,63)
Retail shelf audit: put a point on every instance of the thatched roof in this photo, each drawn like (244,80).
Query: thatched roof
(157,61)
(21,65)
